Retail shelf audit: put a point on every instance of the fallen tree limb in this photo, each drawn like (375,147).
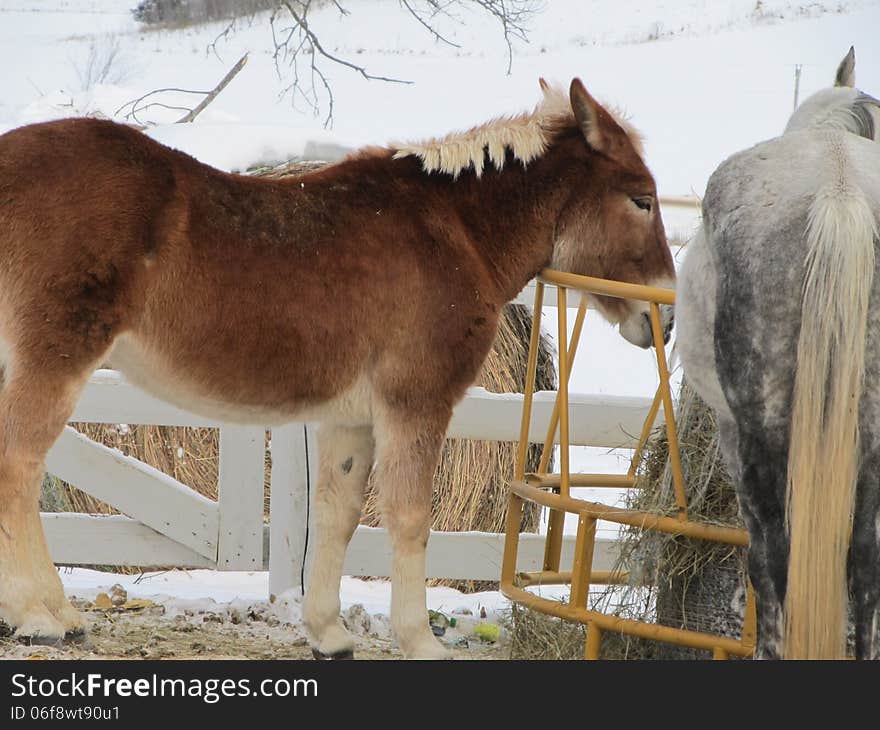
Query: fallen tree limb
(137,106)
(216,90)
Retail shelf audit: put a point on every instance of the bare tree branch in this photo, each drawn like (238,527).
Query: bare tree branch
(513,16)
(430,28)
(303,23)
(222,35)
(137,106)
(216,90)
(300,55)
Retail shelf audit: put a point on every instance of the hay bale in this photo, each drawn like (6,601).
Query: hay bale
(676,581)
(288,169)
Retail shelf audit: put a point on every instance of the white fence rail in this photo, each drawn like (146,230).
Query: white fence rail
(165,523)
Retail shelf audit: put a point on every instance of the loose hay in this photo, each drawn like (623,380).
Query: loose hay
(535,635)
(682,582)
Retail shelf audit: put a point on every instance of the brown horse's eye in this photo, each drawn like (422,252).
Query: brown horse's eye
(643,202)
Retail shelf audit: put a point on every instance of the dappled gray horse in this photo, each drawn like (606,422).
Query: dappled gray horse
(779,331)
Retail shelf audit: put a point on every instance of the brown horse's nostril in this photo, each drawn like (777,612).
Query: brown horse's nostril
(650,325)
(667,327)
(667,330)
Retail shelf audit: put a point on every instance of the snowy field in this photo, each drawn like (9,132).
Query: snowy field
(700,78)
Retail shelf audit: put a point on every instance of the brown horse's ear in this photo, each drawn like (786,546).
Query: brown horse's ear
(846,71)
(586,112)
(542,82)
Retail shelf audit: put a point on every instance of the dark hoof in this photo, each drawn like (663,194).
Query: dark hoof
(38,640)
(79,636)
(321,656)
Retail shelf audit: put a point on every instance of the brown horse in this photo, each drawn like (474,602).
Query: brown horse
(364,295)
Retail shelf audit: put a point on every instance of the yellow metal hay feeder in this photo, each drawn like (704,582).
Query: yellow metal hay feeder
(552,490)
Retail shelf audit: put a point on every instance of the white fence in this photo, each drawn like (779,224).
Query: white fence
(165,523)
(168,524)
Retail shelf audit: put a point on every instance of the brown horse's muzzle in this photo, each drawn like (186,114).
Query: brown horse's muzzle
(636,327)
(667,319)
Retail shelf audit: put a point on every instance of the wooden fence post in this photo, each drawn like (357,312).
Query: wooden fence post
(240,497)
(294,476)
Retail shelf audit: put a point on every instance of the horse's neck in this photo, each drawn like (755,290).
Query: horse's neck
(506,218)
(838,108)
(510,218)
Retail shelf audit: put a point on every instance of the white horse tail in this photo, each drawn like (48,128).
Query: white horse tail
(824,455)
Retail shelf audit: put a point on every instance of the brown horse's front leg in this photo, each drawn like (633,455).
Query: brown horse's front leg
(34,407)
(408,448)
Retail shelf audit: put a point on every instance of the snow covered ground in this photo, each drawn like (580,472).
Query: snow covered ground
(201,613)
(701,79)
(226,586)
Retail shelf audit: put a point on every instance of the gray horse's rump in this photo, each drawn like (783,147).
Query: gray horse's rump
(739,322)
(754,223)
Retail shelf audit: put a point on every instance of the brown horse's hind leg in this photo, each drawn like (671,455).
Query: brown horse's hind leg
(346,459)
(34,406)
(407,451)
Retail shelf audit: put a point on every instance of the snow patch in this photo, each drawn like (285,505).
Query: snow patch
(239,147)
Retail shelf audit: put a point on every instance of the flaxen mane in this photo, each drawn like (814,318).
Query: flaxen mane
(842,108)
(525,135)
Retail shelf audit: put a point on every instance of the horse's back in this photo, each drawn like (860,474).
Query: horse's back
(67,163)
(187,278)
(777,181)
(740,296)
(82,194)
(81,204)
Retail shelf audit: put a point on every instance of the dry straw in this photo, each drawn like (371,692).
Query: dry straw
(682,582)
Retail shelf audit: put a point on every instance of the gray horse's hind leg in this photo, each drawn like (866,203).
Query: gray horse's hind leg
(864,556)
(761,494)
(729,444)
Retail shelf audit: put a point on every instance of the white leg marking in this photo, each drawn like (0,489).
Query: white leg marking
(346,456)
